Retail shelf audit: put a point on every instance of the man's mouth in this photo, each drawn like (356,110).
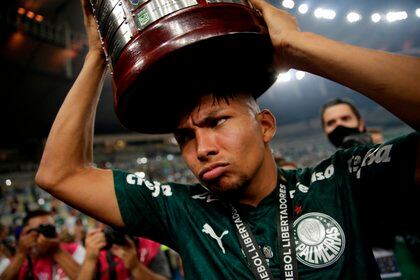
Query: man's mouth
(212,171)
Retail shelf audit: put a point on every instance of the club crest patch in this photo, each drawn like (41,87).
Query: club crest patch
(320,240)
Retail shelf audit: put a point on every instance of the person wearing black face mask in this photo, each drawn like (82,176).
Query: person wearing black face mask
(345,128)
(343,124)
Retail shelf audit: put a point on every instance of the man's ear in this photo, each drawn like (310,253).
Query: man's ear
(268,124)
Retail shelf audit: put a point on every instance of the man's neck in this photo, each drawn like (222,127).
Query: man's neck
(262,184)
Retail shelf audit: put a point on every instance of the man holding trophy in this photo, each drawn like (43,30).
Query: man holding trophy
(247,219)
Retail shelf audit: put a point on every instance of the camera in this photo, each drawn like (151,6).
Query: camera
(113,236)
(46,230)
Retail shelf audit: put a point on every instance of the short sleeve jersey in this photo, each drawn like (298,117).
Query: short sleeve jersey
(332,203)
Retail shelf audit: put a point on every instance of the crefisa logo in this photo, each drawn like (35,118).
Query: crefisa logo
(320,240)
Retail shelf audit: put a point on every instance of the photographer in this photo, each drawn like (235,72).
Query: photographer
(344,126)
(112,255)
(40,255)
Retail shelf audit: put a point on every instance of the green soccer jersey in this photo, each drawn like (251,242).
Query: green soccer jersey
(332,204)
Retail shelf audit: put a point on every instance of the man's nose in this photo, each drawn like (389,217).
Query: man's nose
(206,145)
(336,123)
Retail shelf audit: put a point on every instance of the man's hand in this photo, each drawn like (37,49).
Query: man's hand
(95,241)
(47,245)
(280,25)
(27,241)
(95,45)
(127,253)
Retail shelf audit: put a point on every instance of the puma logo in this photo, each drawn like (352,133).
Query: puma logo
(205,196)
(209,230)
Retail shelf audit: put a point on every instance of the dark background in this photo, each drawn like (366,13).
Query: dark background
(39,62)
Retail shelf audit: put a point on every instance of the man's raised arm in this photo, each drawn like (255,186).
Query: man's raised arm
(66,169)
(389,79)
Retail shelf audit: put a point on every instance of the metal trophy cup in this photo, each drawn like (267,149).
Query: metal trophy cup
(165,52)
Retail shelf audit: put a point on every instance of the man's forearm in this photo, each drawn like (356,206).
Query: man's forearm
(88,270)
(67,263)
(69,144)
(387,78)
(12,271)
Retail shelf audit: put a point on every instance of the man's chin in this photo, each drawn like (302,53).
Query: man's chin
(225,187)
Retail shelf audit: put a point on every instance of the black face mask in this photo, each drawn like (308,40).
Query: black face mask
(337,136)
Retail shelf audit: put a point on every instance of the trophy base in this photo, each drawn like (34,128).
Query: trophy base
(199,50)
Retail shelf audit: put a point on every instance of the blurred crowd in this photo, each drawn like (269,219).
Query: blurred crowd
(55,241)
(43,238)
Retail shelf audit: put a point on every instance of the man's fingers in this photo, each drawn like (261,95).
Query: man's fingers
(87,8)
(31,234)
(259,4)
(98,243)
(41,238)
(26,230)
(99,237)
(47,241)
(101,244)
(130,242)
(117,251)
(28,238)
(93,231)
(95,236)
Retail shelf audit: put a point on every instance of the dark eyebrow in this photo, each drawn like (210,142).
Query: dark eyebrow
(210,117)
